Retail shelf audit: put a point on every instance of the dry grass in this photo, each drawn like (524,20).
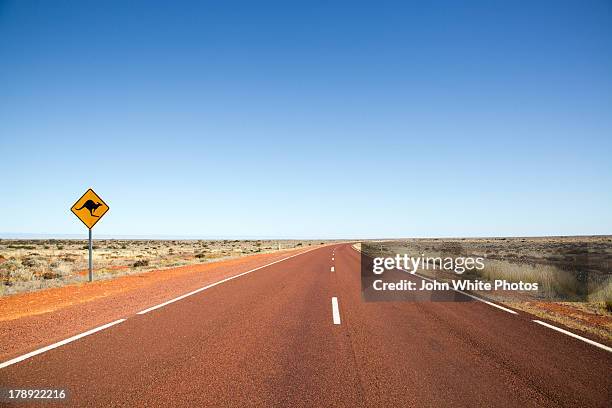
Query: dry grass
(573,268)
(27,265)
(567,268)
(552,280)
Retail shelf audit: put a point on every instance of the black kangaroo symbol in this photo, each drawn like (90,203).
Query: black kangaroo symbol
(91,206)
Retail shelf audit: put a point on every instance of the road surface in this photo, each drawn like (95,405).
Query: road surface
(296,333)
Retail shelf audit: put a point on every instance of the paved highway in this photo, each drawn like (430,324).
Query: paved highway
(297,333)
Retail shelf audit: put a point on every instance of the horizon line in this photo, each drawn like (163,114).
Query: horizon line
(171,237)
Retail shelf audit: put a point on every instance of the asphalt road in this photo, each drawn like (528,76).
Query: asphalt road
(268,338)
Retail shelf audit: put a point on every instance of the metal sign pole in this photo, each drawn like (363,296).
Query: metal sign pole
(90,258)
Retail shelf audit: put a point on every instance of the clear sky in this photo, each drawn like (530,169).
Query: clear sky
(312,119)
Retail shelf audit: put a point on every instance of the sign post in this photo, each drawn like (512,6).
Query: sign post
(90,258)
(90,208)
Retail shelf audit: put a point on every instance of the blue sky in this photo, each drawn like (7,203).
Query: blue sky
(312,119)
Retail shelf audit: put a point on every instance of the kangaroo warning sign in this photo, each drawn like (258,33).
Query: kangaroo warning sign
(90,208)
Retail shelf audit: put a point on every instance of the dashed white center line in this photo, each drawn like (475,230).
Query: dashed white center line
(335,310)
(332,269)
(591,342)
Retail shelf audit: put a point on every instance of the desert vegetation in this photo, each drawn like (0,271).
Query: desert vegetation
(574,273)
(27,265)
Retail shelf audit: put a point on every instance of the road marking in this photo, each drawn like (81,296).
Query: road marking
(488,303)
(59,343)
(505,309)
(591,342)
(335,310)
(456,290)
(465,293)
(332,269)
(176,299)
(97,329)
(550,326)
(332,258)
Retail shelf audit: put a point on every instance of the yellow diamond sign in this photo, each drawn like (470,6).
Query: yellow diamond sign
(90,208)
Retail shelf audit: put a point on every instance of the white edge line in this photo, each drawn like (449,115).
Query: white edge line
(456,290)
(550,326)
(105,326)
(59,343)
(591,342)
(465,293)
(218,283)
(335,310)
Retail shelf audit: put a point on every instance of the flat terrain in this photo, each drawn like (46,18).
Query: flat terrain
(270,338)
(27,265)
(580,265)
(35,319)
